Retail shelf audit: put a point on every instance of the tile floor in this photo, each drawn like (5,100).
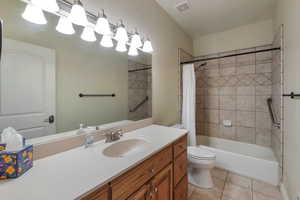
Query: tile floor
(230,186)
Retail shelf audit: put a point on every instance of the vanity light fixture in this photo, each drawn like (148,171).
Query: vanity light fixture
(78,14)
(102,25)
(47,5)
(107,41)
(133,51)
(34,14)
(147,48)
(64,26)
(121,35)
(88,34)
(121,47)
(136,40)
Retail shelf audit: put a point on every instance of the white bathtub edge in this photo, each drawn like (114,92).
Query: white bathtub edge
(247,164)
(283,191)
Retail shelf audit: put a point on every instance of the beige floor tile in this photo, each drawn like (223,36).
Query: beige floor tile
(190,189)
(226,198)
(260,196)
(205,194)
(266,189)
(239,180)
(236,192)
(219,184)
(219,173)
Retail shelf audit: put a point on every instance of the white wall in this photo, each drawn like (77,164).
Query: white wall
(287,13)
(246,36)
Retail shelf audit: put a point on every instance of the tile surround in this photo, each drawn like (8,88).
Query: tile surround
(231,186)
(236,88)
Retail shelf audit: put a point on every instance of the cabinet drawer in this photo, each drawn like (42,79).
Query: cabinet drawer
(181,190)
(100,194)
(180,167)
(123,186)
(180,146)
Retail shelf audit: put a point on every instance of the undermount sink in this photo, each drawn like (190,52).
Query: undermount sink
(125,148)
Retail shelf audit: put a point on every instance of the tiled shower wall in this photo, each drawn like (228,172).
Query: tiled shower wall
(139,87)
(277,90)
(235,89)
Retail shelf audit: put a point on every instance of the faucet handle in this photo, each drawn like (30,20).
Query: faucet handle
(119,132)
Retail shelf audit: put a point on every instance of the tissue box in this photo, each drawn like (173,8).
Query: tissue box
(2,147)
(14,164)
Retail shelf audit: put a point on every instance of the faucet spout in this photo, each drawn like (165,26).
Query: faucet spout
(114,136)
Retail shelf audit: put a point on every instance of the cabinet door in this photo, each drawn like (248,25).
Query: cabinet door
(161,184)
(141,194)
(181,190)
(180,167)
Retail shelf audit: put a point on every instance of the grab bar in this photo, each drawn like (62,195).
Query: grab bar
(272,113)
(140,104)
(96,95)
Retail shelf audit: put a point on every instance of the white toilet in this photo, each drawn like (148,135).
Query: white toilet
(200,163)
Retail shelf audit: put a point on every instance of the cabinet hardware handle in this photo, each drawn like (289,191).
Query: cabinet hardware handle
(156,190)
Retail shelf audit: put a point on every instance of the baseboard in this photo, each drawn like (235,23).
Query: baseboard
(284,193)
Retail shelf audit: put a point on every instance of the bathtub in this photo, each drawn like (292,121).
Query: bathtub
(245,159)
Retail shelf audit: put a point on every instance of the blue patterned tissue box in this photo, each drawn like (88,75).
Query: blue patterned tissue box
(2,146)
(15,163)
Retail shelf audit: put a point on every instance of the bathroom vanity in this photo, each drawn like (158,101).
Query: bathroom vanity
(159,177)
(148,163)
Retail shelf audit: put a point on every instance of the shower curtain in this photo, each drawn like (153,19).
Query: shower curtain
(189,102)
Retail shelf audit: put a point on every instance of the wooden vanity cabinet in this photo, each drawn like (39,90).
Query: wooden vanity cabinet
(141,194)
(162,185)
(99,194)
(180,165)
(161,177)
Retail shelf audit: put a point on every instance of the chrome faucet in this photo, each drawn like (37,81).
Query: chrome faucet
(110,137)
(114,136)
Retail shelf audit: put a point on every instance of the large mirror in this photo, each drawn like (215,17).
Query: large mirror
(50,83)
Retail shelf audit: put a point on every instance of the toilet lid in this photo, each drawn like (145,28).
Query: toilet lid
(200,153)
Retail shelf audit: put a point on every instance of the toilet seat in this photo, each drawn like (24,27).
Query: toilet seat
(200,153)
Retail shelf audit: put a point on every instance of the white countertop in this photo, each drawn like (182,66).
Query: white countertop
(69,175)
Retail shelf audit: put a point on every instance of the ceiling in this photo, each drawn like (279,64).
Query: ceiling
(209,16)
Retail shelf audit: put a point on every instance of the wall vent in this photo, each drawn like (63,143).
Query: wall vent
(183,6)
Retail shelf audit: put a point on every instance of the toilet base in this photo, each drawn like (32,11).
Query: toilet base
(200,178)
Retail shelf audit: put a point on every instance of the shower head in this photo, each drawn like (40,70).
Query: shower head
(203,64)
(199,67)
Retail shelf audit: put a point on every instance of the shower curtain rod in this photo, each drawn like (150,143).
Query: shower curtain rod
(231,55)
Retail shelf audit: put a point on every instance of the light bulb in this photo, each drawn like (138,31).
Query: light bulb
(78,14)
(133,51)
(102,25)
(136,41)
(64,26)
(147,48)
(121,34)
(34,14)
(88,34)
(121,47)
(106,41)
(48,5)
